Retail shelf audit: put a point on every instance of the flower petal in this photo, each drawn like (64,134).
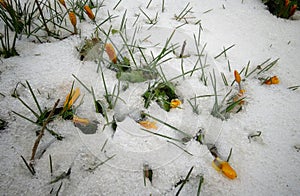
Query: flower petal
(175,103)
(148,124)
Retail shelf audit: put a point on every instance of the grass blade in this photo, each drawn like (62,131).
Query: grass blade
(30,168)
(161,135)
(201,180)
(224,51)
(228,158)
(268,66)
(117,4)
(95,167)
(180,148)
(50,162)
(184,181)
(172,127)
(82,83)
(24,117)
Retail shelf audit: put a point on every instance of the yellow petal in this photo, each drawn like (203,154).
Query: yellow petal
(71,100)
(175,103)
(237,76)
(217,164)
(272,80)
(83,121)
(220,165)
(148,124)
(228,171)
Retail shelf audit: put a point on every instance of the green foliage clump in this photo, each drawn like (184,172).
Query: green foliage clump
(162,93)
(282,8)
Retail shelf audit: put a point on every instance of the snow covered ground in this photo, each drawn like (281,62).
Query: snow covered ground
(268,165)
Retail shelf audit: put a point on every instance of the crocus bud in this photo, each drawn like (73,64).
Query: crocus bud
(111,52)
(89,12)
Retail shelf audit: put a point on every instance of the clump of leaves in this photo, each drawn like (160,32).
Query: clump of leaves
(231,104)
(14,14)
(66,111)
(162,93)
(282,8)
(8,50)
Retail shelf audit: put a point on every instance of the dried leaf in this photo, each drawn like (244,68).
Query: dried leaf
(148,124)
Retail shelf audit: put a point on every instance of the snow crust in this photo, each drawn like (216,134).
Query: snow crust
(269,166)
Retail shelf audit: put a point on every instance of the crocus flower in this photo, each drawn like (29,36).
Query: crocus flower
(238,79)
(73,19)
(293,9)
(70,99)
(111,52)
(63,3)
(78,120)
(286,3)
(89,12)
(224,167)
(237,76)
(175,103)
(272,80)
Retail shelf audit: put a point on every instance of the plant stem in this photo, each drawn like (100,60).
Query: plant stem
(224,51)
(43,18)
(38,139)
(184,181)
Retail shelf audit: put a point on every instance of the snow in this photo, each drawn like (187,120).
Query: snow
(266,166)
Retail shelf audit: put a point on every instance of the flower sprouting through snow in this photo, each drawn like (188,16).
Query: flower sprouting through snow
(111,52)
(175,103)
(237,76)
(286,3)
(63,3)
(272,80)
(89,12)
(293,10)
(73,19)
(238,79)
(70,99)
(224,167)
(240,95)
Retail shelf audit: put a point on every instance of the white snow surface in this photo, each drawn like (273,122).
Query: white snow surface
(269,166)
